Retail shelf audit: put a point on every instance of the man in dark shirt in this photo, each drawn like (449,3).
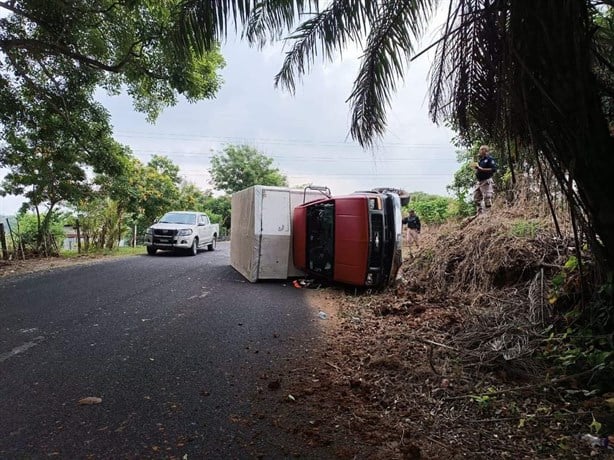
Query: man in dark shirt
(485,168)
(413,228)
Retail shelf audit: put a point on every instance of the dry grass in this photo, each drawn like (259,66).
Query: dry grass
(445,365)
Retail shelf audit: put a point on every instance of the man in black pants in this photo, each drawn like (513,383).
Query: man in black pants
(413,228)
(485,168)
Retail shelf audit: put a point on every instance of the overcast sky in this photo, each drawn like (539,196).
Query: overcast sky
(306,134)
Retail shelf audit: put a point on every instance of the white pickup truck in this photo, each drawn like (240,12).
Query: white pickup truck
(182,231)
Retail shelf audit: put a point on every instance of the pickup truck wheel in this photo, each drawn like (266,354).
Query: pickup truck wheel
(194,248)
(211,246)
(151,250)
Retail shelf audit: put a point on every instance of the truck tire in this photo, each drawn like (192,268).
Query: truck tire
(194,248)
(211,246)
(151,250)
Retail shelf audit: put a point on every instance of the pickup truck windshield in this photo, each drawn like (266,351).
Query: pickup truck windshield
(178,218)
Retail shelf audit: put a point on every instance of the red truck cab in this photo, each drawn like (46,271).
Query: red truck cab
(353,239)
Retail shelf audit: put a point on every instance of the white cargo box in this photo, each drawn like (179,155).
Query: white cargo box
(261,231)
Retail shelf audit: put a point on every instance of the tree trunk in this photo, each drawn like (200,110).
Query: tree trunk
(562,106)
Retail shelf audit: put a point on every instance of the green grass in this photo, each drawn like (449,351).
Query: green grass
(122,251)
(525,229)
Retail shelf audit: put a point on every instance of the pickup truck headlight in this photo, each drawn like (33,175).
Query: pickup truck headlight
(184,232)
(149,231)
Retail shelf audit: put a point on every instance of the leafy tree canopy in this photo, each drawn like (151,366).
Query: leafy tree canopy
(48,156)
(53,56)
(241,166)
(116,45)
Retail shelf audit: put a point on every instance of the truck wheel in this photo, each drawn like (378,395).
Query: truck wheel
(211,246)
(151,250)
(194,247)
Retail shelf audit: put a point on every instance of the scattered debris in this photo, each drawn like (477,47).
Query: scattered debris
(90,400)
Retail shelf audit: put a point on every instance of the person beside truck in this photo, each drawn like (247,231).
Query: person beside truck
(413,228)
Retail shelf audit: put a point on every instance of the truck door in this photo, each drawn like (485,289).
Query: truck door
(273,229)
(204,229)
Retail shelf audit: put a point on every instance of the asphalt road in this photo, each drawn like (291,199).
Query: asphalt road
(176,347)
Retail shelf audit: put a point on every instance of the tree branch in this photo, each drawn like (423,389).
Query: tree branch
(53,49)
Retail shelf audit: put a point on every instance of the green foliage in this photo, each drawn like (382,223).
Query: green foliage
(580,341)
(485,401)
(218,209)
(525,229)
(464,181)
(190,198)
(98,222)
(29,231)
(118,251)
(583,351)
(117,45)
(136,196)
(430,209)
(461,207)
(47,155)
(464,178)
(568,274)
(241,166)
(604,45)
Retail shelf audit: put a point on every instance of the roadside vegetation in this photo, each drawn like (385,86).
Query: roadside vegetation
(495,343)
(115,211)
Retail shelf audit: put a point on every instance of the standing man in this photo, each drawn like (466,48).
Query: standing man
(413,228)
(485,168)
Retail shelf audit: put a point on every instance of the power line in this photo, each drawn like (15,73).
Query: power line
(277,141)
(324,174)
(295,157)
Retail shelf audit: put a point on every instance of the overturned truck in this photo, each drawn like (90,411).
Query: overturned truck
(353,239)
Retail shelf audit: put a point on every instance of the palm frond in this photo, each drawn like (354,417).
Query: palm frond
(327,32)
(201,24)
(390,45)
(270,19)
(467,76)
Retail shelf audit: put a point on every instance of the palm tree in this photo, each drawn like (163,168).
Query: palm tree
(536,73)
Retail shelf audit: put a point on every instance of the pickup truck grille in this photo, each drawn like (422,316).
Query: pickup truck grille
(164,232)
(163,236)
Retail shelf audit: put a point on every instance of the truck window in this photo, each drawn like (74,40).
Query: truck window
(320,238)
(178,218)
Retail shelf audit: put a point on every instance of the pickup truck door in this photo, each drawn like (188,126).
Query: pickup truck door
(204,231)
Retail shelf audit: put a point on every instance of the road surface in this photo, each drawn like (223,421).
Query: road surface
(176,347)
